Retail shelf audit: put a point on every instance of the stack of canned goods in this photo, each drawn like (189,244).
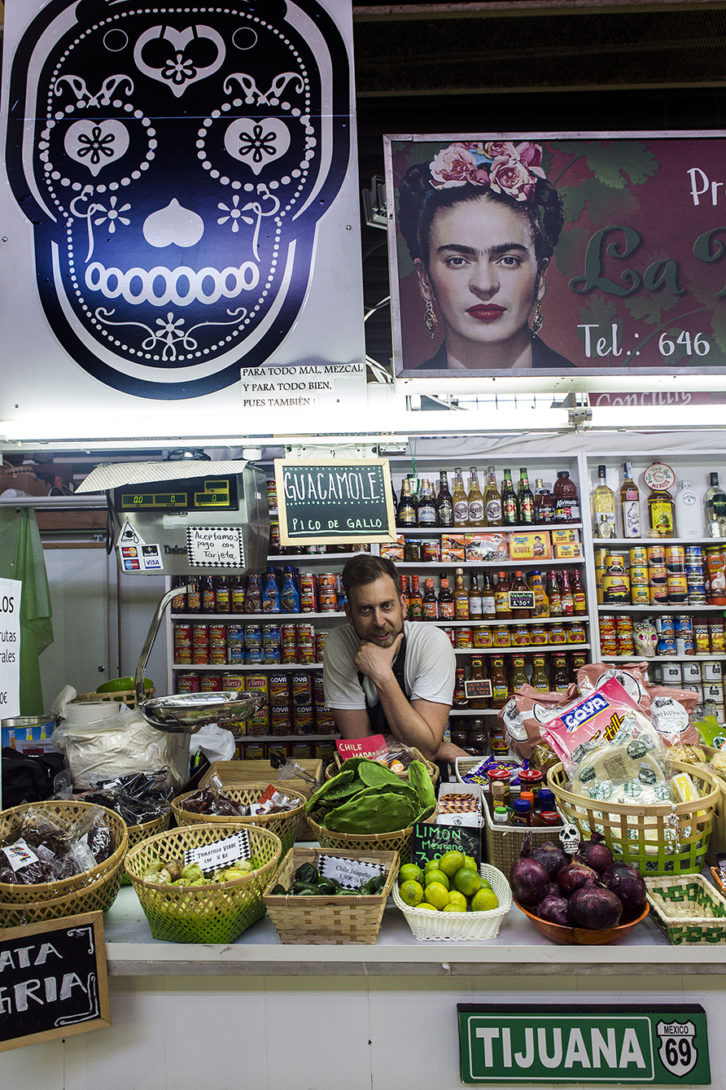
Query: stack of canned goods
(249,644)
(705,679)
(513,635)
(676,634)
(662,575)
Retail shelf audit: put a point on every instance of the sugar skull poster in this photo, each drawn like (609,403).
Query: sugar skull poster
(177,179)
(566,254)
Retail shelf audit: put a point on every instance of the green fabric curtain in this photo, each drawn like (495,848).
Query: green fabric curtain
(21,557)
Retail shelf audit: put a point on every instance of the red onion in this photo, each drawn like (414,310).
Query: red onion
(625,881)
(573,876)
(595,853)
(594,907)
(529,880)
(554,909)
(550,856)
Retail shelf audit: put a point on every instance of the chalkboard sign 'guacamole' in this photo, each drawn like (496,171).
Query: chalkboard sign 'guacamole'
(334,502)
(53,980)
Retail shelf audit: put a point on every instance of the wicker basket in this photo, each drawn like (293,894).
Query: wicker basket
(718,834)
(504,842)
(97,897)
(336,765)
(460,926)
(688,909)
(286,825)
(646,835)
(65,812)
(397,841)
(328,919)
(137,833)
(214,912)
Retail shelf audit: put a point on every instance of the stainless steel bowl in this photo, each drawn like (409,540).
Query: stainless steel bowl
(185,713)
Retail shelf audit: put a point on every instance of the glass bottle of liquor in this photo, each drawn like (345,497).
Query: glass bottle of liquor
(630,504)
(446,600)
(475,602)
(461,597)
(415,601)
(478,674)
(407,514)
(500,684)
(461,502)
(518,676)
(488,606)
(566,595)
(475,500)
(603,506)
(444,502)
(492,500)
(567,507)
(578,592)
(430,605)
(540,678)
(426,515)
(502,607)
(509,501)
(519,584)
(661,513)
(541,601)
(715,505)
(553,593)
(544,504)
(525,500)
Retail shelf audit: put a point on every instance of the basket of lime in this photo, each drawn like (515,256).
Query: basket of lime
(450,899)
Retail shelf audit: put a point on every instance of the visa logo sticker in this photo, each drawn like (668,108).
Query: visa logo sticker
(585,711)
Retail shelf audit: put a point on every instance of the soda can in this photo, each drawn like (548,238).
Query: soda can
(187,683)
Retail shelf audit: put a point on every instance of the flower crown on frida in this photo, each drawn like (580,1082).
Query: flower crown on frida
(498,165)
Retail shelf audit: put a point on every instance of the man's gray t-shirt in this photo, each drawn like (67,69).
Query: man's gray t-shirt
(428,671)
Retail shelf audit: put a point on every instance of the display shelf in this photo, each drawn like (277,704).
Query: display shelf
(238,667)
(251,618)
(473,712)
(570,619)
(306,558)
(529,649)
(663,658)
(289,737)
(495,564)
(618,607)
(437,531)
(604,542)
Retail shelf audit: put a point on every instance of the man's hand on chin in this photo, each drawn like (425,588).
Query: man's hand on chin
(376,662)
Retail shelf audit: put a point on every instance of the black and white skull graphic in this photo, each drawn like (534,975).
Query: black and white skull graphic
(175,160)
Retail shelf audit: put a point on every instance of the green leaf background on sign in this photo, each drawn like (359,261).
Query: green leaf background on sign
(718,325)
(651,308)
(621,163)
(570,248)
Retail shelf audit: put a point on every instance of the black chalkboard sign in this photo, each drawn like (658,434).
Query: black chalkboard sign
(53,980)
(333,501)
(430,840)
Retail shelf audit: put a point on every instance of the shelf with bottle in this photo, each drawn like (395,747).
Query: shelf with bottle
(302,737)
(625,607)
(526,649)
(243,667)
(438,531)
(492,622)
(659,658)
(421,565)
(311,558)
(256,618)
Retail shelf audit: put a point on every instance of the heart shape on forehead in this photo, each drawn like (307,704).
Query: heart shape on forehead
(95,144)
(179,58)
(257,143)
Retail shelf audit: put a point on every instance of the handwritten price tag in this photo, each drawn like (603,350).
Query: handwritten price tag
(351,873)
(222,853)
(215,546)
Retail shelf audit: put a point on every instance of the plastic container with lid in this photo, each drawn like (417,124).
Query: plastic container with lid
(521,812)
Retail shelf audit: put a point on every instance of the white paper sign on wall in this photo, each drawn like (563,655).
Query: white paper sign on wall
(9,647)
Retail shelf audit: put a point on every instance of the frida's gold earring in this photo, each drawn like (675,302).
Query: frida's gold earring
(431,321)
(537,319)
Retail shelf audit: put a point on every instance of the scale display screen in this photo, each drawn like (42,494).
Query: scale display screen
(207,494)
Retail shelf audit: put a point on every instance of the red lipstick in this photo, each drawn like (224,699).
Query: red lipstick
(486,312)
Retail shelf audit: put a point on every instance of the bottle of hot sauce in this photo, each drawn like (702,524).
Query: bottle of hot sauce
(501,597)
(446,600)
(461,597)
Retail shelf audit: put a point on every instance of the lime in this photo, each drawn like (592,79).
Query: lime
(436,895)
(432,864)
(484,900)
(122,684)
(452,907)
(450,862)
(486,883)
(458,899)
(467,881)
(425,904)
(470,861)
(411,892)
(410,872)
(437,876)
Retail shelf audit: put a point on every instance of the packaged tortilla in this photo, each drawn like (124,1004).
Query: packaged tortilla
(633,678)
(524,715)
(670,713)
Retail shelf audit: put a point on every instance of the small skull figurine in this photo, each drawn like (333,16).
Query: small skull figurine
(570,839)
(646,638)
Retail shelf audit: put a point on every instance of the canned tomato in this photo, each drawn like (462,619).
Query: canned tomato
(501,636)
(431,549)
(675,558)
(308,593)
(288,645)
(210,683)
(482,636)
(677,589)
(638,555)
(464,637)
(187,683)
(640,596)
(700,638)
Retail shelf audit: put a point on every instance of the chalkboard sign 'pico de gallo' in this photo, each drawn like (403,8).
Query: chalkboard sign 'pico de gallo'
(334,501)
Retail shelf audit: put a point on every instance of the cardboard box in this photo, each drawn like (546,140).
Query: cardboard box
(453,547)
(393,549)
(460,804)
(489,546)
(530,545)
(566,544)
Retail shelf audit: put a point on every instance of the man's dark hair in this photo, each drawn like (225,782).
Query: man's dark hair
(364,568)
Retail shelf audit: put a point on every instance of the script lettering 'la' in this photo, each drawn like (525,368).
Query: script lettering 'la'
(22,958)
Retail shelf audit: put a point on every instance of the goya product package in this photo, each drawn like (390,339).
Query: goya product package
(526,713)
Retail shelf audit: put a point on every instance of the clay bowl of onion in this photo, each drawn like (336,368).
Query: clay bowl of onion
(582,936)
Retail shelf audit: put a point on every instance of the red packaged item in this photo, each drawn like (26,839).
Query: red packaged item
(633,678)
(524,716)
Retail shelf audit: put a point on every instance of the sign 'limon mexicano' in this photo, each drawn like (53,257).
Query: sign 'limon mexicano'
(561,1044)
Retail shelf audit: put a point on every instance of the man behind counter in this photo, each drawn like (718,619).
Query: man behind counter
(384,674)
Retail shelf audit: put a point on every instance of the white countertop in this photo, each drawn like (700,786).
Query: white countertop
(518,947)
